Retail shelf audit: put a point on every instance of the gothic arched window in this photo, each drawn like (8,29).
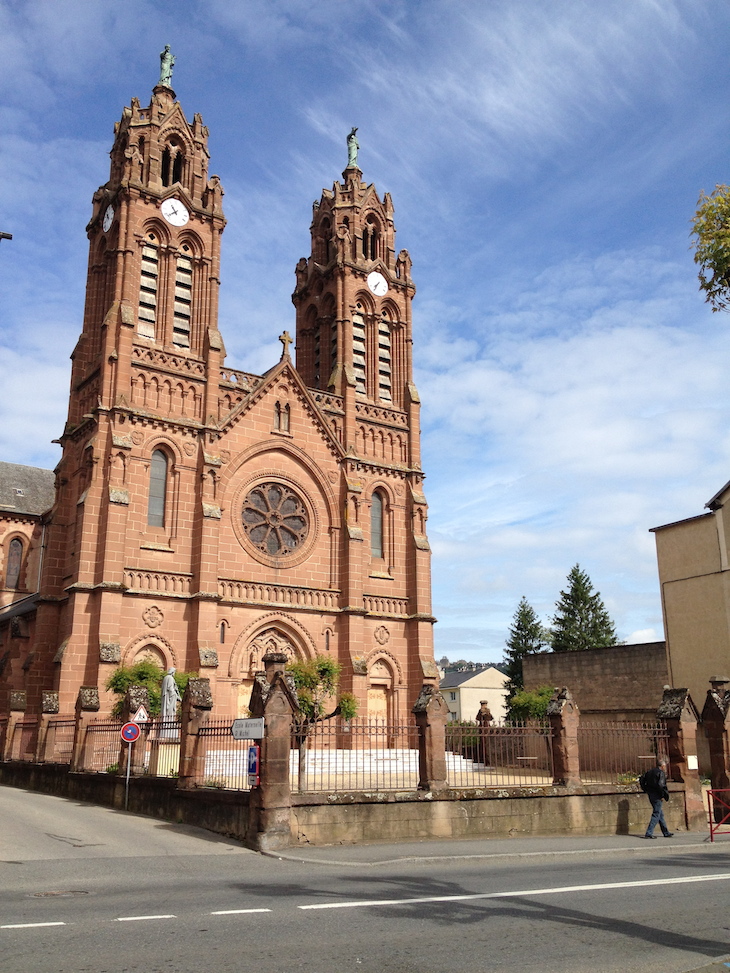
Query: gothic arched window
(15,561)
(149,276)
(376,525)
(158,489)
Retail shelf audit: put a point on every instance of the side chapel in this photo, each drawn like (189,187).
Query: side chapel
(200,514)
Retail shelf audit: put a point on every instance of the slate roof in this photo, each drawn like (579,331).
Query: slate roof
(453,679)
(26,489)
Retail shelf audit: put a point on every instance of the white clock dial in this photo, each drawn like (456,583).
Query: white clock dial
(108,218)
(377,284)
(174,212)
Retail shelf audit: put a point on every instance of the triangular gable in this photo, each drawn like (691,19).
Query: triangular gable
(285,369)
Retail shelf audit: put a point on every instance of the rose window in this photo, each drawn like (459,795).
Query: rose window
(275,519)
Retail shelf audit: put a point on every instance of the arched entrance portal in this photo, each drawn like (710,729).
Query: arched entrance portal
(271,640)
(380,692)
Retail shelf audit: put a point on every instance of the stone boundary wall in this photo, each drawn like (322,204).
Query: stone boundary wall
(620,682)
(353,818)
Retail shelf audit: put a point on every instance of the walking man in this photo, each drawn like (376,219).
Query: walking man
(654,784)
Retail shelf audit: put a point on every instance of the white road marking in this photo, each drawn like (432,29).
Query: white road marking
(505,895)
(31,925)
(141,918)
(237,912)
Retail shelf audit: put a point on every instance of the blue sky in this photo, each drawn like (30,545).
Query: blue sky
(544,160)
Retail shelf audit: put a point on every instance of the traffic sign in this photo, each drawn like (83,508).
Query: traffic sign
(130,732)
(141,716)
(248,729)
(254,753)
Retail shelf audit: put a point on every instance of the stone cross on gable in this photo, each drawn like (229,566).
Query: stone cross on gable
(285,340)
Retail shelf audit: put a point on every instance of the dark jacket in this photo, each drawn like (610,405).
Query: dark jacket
(655,781)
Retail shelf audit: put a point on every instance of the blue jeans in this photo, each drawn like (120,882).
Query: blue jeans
(657,816)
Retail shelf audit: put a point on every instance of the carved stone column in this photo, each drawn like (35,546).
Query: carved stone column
(716,720)
(196,706)
(681,717)
(431,714)
(564,717)
(274,697)
(87,706)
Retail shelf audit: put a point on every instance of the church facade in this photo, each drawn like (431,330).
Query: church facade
(202,514)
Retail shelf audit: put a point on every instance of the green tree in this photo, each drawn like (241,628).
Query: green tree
(317,681)
(526,636)
(144,673)
(711,230)
(581,620)
(529,704)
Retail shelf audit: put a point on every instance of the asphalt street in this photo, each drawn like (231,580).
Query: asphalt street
(87,888)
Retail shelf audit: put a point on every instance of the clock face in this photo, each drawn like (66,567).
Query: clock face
(174,212)
(377,284)
(108,218)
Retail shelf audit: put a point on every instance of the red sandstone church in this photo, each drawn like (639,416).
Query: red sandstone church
(200,515)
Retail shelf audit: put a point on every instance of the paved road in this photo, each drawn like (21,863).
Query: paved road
(84,888)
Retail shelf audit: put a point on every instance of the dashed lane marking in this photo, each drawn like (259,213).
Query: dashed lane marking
(30,925)
(237,912)
(141,918)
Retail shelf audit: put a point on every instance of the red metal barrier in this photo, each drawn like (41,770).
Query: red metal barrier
(718,812)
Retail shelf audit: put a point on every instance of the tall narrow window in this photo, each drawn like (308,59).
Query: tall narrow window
(15,560)
(166,167)
(158,489)
(385,380)
(376,525)
(358,351)
(147,315)
(177,167)
(183,302)
(223,633)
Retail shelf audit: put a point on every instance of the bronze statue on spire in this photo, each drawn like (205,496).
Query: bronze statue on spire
(167,61)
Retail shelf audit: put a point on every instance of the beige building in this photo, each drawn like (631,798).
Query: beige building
(464,691)
(694,575)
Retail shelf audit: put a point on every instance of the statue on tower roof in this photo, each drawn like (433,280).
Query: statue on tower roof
(352,146)
(167,61)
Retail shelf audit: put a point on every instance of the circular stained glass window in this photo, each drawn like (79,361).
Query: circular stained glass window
(275,519)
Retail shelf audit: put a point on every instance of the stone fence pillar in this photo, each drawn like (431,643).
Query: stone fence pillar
(431,714)
(681,716)
(135,697)
(49,709)
(197,703)
(18,702)
(716,721)
(87,706)
(274,698)
(564,717)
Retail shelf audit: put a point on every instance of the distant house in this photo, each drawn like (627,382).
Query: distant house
(464,690)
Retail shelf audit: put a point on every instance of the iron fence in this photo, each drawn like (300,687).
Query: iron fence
(161,742)
(515,755)
(59,741)
(101,747)
(617,753)
(226,759)
(355,755)
(21,745)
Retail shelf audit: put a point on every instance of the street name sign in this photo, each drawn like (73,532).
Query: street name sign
(250,729)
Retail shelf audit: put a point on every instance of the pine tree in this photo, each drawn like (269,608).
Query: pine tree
(581,620)
(526,635)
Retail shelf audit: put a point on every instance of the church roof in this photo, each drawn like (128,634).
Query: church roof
(26,489)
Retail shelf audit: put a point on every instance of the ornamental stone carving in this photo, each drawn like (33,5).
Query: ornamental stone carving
(208,657)
(88,698)
(153,617)
(18,700)
(189,449)
(110,652)
(137,438)
(360,666)
(382,635)
(49,703)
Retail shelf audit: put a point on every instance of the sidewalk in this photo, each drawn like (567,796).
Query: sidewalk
(504,849)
